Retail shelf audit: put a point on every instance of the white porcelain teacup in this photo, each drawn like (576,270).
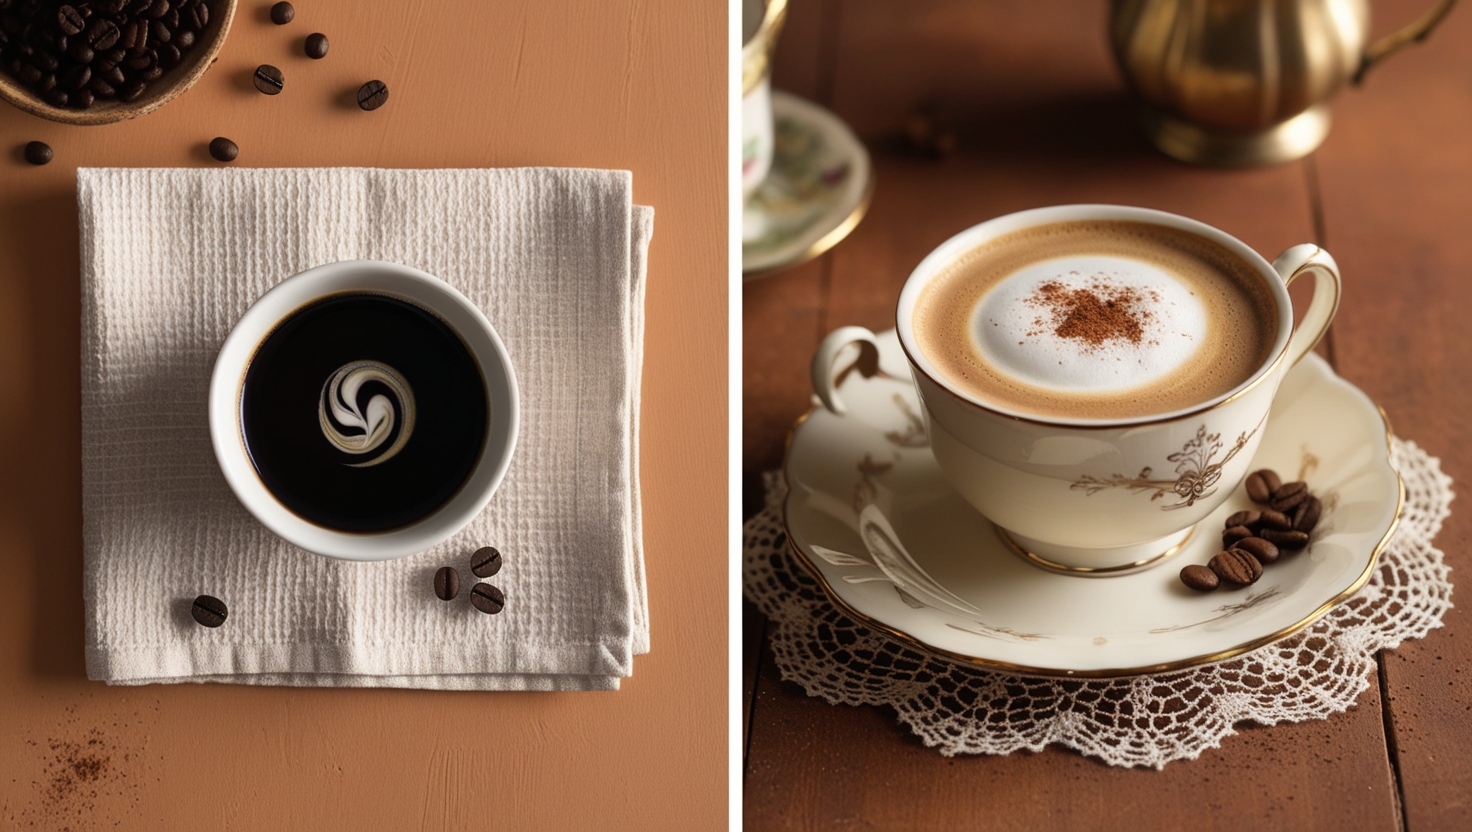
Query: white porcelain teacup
(373,278)
(1096,496)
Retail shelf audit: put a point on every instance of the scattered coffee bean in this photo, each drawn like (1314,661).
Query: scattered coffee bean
(1244,518)
(269,80)
(1199,578)
(316,46)
(209,611)
(1306,516)
(1261,485)
(1236,566)
(1286,540)
(1234,534)
(282,13)
(38,153)
(1289,495)
(485,562)
(447,583)
(372,95)
(223,149)
(1275,520)
(1264,550)
(487,598)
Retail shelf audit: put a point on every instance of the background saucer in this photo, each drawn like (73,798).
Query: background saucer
(1011,614)
(816,193)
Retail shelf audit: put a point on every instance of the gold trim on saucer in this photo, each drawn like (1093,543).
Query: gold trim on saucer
(1106,673)
(827,241)
(1090,571)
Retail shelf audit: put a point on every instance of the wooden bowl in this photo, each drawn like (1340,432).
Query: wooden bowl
(161,92)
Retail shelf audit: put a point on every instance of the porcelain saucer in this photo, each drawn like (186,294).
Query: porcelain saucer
(816,193)
(895,547)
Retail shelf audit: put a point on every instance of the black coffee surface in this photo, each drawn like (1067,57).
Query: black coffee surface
(363,413)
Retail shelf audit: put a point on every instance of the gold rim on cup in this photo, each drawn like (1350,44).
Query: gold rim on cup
(756,54)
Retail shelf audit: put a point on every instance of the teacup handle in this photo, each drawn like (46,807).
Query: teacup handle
(1293,264)
(825,381)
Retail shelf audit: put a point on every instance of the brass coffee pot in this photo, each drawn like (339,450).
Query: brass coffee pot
(1246,82)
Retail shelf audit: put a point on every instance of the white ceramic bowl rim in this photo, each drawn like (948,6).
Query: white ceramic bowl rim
(409,284)
(978,234)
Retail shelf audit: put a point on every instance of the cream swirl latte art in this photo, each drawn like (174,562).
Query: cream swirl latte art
(367,410)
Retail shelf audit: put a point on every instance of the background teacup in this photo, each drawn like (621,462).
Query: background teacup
(355,277)
(761,22)
(1096,496)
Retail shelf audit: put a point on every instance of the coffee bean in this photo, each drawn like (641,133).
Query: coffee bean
(109,59)
(485,562)
(223,149)
(184,39)
(29,74)
(1275,520)
(102,34)
(316,46)
(1235,534)
(70,20)
(1286,540)
(196,17)
(209,611)
(45,61)
(1261,485)
(1289,494)
(1244,518)
(1264,550)
(282,13)
(46,84)
(137,62)
(80,52)
(372,95)
(158,31)
(38,153)
(1199,578)
(101,88)
(168,56)
(1236,566)
(157,9)
(82,98)
(1306,516)
(487,598)
(447,583)
(135,34)
(132,92)
(77,77)
(56,97)
(151,74)
(114,76)
(269,80)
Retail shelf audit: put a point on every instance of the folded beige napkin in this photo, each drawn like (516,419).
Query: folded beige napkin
(555,258)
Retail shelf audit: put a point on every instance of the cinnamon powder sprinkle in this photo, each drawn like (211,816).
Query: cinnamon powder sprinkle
(1094,314)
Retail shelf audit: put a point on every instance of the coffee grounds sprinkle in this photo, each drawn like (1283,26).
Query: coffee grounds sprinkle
(1094,314)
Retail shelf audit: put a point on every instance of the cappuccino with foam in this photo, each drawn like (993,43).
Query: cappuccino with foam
(1097,319)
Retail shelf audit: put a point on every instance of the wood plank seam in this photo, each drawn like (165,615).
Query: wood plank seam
(1387,718)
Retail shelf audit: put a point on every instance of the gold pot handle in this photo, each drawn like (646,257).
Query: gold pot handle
(1395,41)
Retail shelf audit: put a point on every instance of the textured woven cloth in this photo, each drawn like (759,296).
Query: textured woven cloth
(171,259)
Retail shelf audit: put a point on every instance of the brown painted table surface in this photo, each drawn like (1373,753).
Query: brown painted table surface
(632,84)
(1042,118)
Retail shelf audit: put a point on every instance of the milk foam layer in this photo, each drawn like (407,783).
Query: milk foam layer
(1096,319)
(1018,337)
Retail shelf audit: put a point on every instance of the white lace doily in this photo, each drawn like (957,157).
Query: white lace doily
(1136,721)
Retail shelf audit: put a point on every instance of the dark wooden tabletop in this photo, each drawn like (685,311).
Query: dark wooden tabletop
(1042,117)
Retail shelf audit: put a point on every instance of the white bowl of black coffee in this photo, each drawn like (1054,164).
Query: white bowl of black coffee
(363,410)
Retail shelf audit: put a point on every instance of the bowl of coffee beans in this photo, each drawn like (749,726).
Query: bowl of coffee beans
(100,61)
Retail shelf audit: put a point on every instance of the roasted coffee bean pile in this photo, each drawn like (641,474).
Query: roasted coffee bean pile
(75,54)
(483,564)
(1256,538)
